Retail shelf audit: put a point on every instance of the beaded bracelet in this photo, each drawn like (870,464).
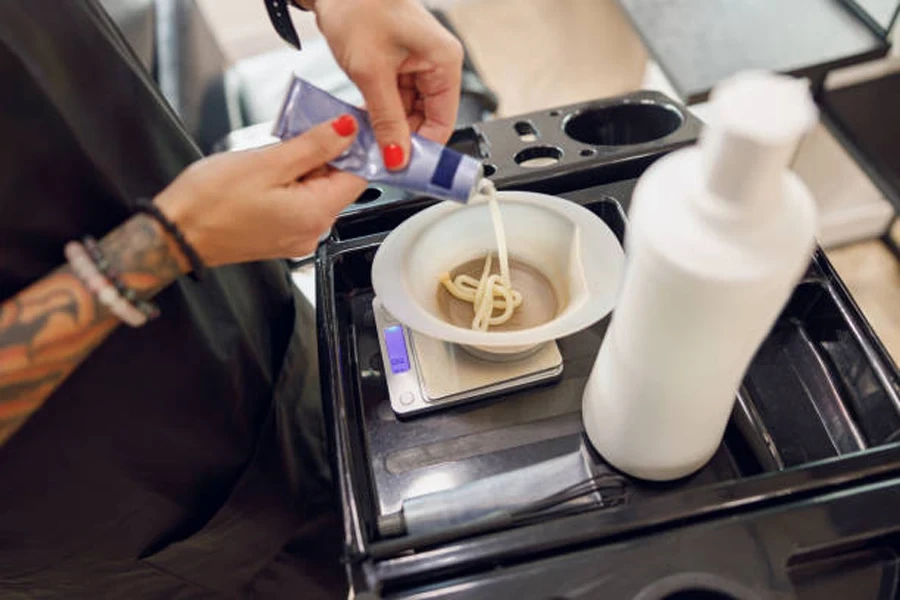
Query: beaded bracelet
(93,280)
(198,268)
(148,309)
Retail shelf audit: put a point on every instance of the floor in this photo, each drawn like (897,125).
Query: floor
(873,275)
(545,53)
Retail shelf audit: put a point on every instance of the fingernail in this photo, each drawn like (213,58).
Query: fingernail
(344,125)
(393,156)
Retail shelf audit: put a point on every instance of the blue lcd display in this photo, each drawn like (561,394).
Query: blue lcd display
(396,349)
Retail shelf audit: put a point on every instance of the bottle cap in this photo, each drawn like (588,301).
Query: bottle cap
(756,121)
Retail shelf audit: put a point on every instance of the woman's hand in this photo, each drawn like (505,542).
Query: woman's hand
(407,66)
(235,207)
(274,202)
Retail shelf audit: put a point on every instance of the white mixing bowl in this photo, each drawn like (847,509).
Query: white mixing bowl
(573,248)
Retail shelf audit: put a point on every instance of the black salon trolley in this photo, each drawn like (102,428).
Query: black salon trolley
(802,499)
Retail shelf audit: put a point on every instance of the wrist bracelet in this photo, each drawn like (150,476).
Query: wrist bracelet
(95,252)
(94,281)
(198,268)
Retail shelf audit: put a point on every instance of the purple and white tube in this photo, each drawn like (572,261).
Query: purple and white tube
(433,169)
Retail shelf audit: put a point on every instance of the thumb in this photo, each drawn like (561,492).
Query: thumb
(386,114)
(312,149)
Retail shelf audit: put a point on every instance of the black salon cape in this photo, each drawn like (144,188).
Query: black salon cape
(185,459)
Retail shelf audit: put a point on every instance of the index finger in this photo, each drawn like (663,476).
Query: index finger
(379,87)
(312,149)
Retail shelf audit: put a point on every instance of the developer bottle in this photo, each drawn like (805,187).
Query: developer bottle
(719,235)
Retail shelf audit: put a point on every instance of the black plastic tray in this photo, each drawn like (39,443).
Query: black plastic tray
(821,387)
(406,457)
(819,409)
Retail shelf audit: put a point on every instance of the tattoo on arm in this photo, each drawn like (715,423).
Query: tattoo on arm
(50,328)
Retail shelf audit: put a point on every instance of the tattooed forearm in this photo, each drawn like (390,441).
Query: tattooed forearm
(49,328)
(45,332)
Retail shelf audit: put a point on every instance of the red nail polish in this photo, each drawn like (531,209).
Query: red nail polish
(393,156)
(344,125)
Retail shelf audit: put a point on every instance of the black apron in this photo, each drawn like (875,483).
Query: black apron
(184,459)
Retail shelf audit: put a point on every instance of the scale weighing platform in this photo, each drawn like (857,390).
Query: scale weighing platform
(424,374)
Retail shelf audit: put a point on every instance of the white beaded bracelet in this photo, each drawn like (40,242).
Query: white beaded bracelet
(105,292)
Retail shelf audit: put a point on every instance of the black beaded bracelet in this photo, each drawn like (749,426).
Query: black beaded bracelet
(198,268)
(148,309)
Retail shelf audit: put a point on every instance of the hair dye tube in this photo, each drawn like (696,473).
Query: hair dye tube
(433,169)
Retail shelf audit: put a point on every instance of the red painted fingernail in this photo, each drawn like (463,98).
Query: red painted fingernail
(344,125)
(393,156)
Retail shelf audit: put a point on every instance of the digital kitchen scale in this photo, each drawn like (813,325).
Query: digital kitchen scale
(425,374)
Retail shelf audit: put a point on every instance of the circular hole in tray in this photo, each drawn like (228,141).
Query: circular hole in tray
(371,194)
(588,152)
(623,124)
(698,594)
(554,113)
(538,156)
(695,586)
(489,169)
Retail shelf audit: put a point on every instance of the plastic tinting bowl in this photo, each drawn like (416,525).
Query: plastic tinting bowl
(560,244)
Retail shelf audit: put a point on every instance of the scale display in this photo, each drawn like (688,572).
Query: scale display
(396,349)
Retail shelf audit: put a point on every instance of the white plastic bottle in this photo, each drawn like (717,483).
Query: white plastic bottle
(719,235)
